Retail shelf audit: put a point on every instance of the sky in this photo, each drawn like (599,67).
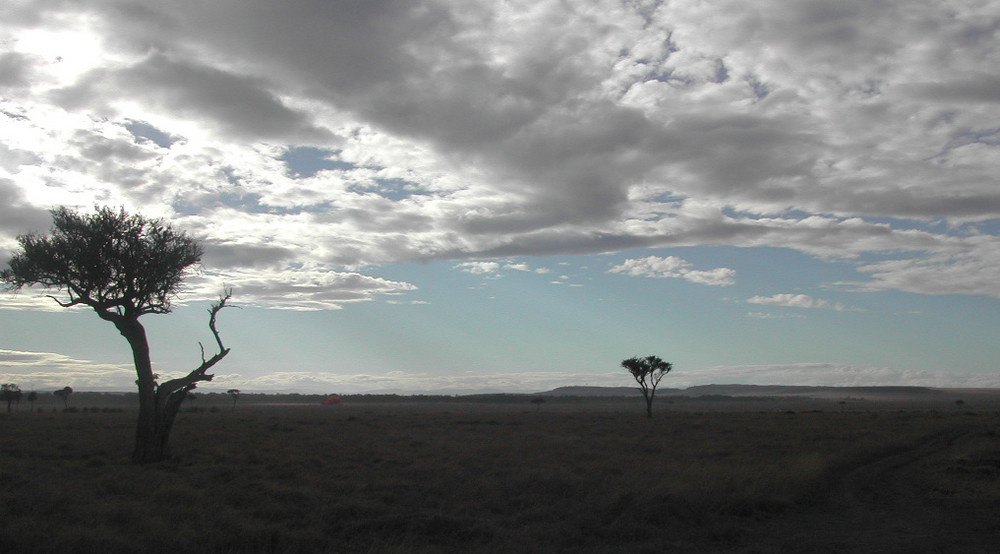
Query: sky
(509,196)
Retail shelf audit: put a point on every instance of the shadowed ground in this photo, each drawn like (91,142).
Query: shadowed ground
(467,477)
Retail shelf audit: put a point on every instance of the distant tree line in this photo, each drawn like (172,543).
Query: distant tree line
(12,394)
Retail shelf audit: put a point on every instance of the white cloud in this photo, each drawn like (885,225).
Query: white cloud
(527,268)
(313,288)
(830,375)
(48,370)
(287,288)
(767,315)
(805,301)
(673,267)
(479,268)
(418,382)
(495,269)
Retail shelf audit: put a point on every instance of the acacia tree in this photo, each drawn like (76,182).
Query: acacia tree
(647,372)
(64,394)
(122,266)
(10,392)
(235,394)
(32,396)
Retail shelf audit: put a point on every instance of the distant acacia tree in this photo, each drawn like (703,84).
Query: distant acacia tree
(64,394)
(122,266)
(235,394)
(647,372)
(9,393)
(32,396)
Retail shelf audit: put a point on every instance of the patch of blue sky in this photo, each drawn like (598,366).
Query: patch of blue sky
(250,203)
(667,198)
(989,137)
(306,161)
(759,270)
(936,225)
(888,255)
(392,189)
(145,132)
(986,227)
(729,211)
(246,202)
(939,225)
(231,175)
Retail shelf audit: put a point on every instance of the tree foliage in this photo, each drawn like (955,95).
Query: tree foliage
(647,372)
(121,265)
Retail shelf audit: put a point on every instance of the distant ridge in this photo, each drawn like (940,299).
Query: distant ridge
(750,390)
(788,390)
(594,391)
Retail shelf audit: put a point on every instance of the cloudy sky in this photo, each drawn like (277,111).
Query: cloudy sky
(515,195)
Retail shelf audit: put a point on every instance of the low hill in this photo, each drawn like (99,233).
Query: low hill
(595,391)
(758,391)
(809,392)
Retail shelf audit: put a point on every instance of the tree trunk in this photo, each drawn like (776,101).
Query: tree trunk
(649,407)
(159,403)
(152,431)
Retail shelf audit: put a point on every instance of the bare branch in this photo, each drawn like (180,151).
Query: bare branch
(189,381)
(72,302)
(214,311)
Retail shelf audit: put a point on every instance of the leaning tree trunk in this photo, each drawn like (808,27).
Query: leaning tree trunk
(159,404)
(150,443)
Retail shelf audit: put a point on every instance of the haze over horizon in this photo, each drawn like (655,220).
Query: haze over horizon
(445,195)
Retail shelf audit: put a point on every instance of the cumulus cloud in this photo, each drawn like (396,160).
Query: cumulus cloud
(478,268)
(299,288)
(673,267)
(527,268)
(497,269)
(804,301)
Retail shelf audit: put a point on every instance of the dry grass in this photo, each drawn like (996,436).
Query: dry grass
(441,479)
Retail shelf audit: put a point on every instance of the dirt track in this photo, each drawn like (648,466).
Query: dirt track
(896,504)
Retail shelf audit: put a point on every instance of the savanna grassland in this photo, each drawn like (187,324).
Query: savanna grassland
(470,478)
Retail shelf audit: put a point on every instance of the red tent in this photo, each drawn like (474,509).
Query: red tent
(333,399)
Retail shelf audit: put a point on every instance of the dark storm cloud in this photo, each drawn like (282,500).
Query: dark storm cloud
(241,105)
(229,255)
(17,216)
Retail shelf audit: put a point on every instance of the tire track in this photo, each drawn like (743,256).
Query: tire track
(874,507)
(867,483)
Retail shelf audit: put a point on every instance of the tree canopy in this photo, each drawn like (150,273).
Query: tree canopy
(119,264)
(647,372)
